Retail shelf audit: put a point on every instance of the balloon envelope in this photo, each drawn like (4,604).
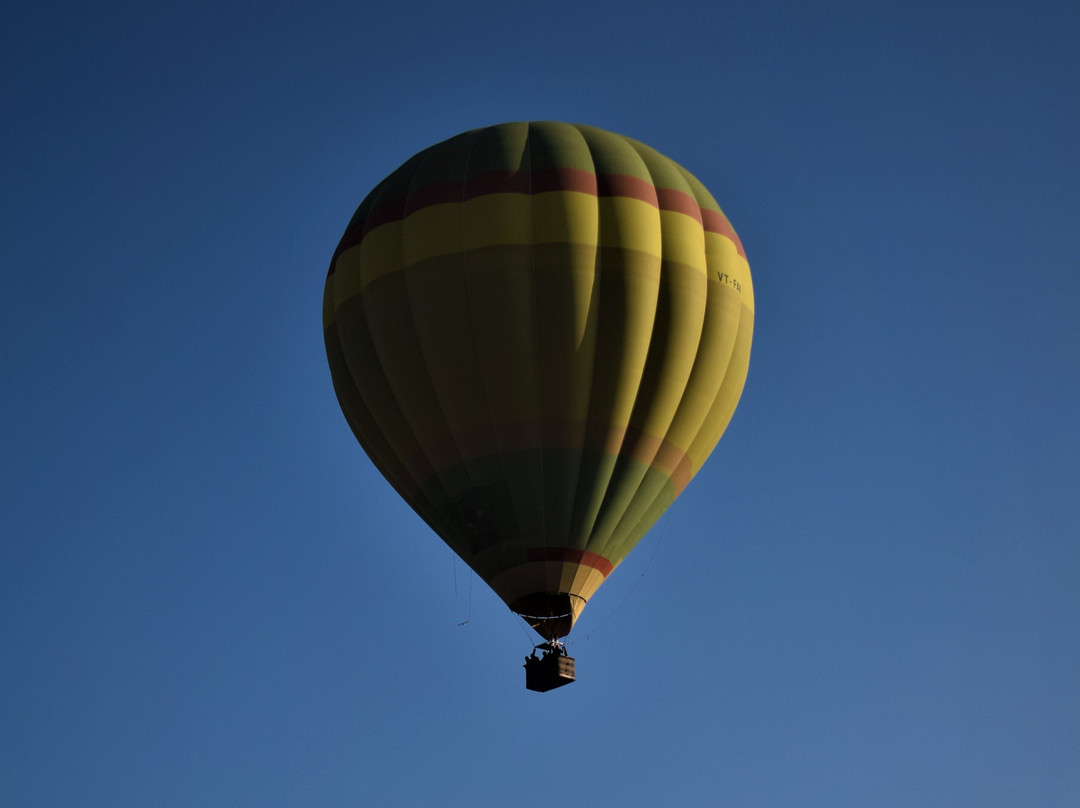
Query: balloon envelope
(538,332)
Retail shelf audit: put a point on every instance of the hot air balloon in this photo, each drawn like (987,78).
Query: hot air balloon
(538,333)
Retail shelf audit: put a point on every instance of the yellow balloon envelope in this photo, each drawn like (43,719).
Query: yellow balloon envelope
(538,332)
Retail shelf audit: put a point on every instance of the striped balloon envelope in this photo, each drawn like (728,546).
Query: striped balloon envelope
(538,333)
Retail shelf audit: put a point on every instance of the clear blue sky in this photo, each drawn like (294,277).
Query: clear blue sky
(869,597)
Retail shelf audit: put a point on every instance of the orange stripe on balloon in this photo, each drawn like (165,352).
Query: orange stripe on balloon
(601,439)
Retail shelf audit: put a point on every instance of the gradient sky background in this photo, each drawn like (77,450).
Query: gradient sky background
(869,597)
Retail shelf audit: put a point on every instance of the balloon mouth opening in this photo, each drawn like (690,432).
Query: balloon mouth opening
(551,615)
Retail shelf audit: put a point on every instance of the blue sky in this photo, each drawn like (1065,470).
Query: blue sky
(869,596)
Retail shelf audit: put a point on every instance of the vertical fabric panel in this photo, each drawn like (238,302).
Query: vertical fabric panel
(629,278)
(566,283)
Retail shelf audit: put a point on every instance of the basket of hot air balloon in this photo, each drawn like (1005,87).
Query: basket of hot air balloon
(538,333)
(553,669)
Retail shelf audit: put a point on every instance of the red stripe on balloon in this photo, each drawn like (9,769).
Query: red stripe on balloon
(679,202)
(568,555)
(715,222)
(543,181)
